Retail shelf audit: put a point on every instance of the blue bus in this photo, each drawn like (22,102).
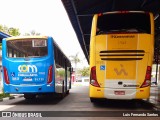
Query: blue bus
(34,65)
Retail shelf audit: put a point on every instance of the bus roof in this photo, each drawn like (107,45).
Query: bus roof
(4,35)
(25,37)
(123,12)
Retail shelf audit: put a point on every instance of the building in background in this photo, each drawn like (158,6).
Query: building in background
(79,79)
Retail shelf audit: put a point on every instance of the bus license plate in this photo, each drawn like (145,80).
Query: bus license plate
(119,92)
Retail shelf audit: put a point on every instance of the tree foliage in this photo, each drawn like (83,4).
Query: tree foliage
(32,33)
(75,59)
(84,71)
(61,72)
(10,30)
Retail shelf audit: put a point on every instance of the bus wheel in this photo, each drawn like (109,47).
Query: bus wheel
(93,100)
(61,95)
(29,96)
(67,92)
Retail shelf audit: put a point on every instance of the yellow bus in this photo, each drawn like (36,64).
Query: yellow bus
(121,55)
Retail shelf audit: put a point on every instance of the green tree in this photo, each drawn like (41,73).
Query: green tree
(84,71)
(32,33)
(14,31)
(61,72)
(75,59)
(11,31)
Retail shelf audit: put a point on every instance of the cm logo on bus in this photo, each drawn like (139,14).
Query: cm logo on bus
(27,68)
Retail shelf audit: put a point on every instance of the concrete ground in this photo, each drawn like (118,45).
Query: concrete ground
(154,94)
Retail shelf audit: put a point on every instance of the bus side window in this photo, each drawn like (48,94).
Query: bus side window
(14,54)
(10,52)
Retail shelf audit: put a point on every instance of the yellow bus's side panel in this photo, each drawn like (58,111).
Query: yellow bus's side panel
(92,41)
(96,92)
(145,43)
(143,93)
(92,90)
(100,45)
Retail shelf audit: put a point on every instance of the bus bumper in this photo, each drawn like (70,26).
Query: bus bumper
(20,89)
(112,93)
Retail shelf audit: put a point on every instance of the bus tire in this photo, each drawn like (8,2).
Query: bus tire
(29,96)
(61,95)
(67,92)
(93,100)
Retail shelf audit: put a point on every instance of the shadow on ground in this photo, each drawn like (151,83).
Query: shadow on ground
(41,100)
(124,104)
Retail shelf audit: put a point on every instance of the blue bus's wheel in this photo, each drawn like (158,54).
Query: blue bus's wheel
(67,92)
(29,96)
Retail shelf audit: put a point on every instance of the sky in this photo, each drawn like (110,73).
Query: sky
(47,17)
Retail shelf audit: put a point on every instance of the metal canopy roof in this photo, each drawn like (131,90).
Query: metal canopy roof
(3,35)
(80,13)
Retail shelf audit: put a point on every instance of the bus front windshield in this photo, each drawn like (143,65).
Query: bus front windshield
(27,48)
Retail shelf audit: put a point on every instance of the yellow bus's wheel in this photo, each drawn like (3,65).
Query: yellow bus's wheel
(93,100)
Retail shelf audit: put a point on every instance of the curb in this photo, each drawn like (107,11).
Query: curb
(156,107)
(156,103)
(11,97)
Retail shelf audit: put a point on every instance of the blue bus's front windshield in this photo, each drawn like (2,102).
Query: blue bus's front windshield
(27,48)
